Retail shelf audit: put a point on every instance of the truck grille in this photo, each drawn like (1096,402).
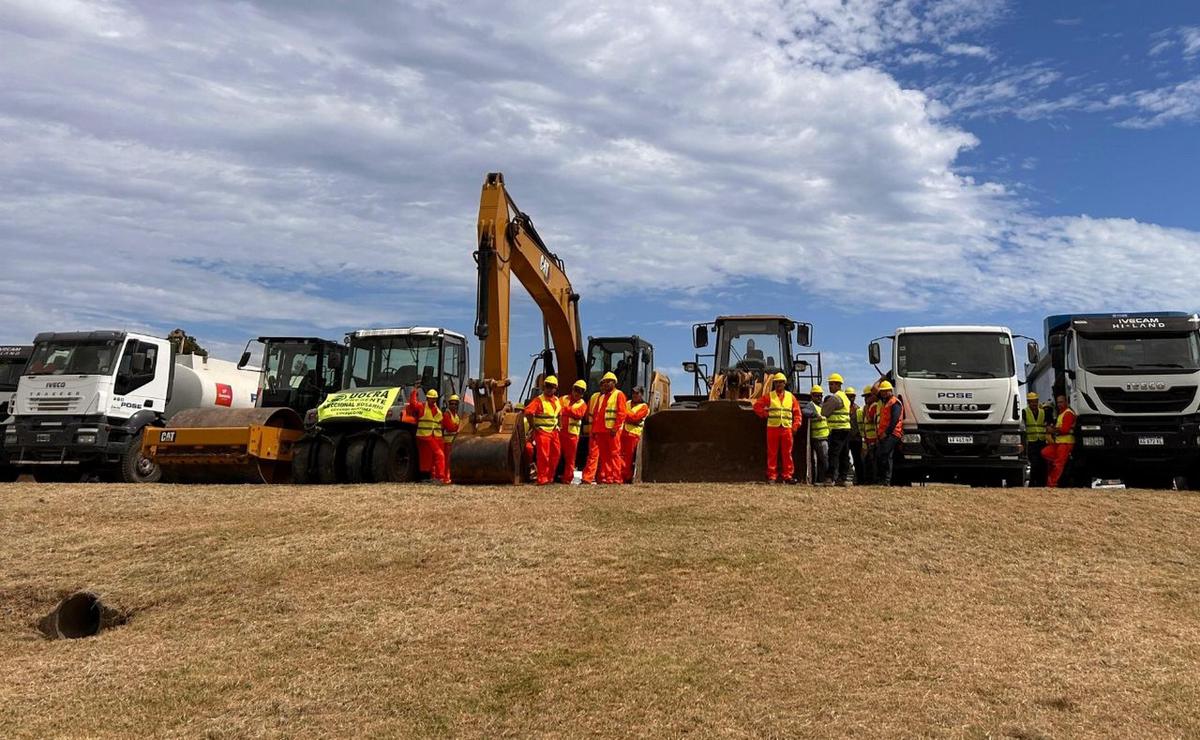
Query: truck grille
(1170,401)
(52,405)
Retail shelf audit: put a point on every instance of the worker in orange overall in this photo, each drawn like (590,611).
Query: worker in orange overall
(782,412)
(574,409)
(431,453)
(635,418)
(543,413)
(1058,449)
(450,425)
(607,410)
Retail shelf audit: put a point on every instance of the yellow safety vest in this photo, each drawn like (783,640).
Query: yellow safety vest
(430,425)
(1035,424)
(1064,439)
(634,427)
(575,424)
(867,425)
(818,425)
(610,409)
(547,418)
(780,413)
(840,419)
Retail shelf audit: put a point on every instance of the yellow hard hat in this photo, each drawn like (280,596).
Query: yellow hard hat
(778,377)
(453,397)
(835,378)
(581,384)
(817,389)
(884,386)
(869,390)
(550,380)
(850,391)
(431,394)
(1031,396)
(609,376)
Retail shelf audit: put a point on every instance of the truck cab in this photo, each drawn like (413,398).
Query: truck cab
(1132,380)
(84,397)
(13,359)
(962,403)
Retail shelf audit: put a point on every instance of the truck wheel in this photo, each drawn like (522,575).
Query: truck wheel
(8,475)
(359,467)
(302,463)
(137,468)
(394,458)
(331,460)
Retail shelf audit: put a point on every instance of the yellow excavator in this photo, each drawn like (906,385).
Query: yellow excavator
(490,446)
(713,435)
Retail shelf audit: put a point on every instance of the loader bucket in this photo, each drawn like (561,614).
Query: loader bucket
(714,442)
(226,445)
(488,453)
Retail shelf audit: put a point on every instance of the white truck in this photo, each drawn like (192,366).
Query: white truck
(85,398)
(1132,380)
(962,404)
(13,358)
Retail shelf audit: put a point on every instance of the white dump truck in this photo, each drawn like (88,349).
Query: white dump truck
(85,398)
(962,403)
(13,358)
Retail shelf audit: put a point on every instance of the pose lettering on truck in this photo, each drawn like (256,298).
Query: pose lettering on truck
(962,404)
(1132,380)
(86,397)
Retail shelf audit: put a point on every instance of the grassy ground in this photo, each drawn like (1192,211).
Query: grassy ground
(655,610)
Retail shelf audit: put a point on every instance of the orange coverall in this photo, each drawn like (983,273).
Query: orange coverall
(779,438)
(431,452)
(546,438)
(1059,450)
(572,424)
(635,415)
(605,440)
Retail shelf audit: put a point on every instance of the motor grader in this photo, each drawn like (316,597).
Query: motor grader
(713,434)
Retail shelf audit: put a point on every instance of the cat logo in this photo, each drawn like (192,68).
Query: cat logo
(166,437)
(544,264)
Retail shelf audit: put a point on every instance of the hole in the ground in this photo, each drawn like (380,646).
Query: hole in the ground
(81,614)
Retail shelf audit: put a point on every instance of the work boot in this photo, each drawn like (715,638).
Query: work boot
(790,481)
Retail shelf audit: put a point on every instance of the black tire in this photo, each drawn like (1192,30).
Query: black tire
(394,457)
(302,463)
(8,474)
(331,460)
(358,458)
(136,468)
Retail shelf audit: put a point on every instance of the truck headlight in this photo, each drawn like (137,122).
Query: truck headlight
(87,438)
(912,438)
(1090,428)
(1010,439)
(1093,441)
(10,436)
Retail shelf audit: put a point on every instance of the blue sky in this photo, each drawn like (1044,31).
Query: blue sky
(259,167)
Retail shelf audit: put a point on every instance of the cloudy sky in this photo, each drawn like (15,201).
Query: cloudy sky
(299,165)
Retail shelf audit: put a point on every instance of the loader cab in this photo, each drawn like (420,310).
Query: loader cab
(631,359)
(759,345)
(400,358)
(297,372)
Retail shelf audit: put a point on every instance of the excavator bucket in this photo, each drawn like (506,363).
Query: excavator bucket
(485,452)
(226,445)
(714,442)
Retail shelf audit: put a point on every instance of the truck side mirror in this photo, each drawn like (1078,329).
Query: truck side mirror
(804,335)
(689,367)
(800,366)
(874,355)
(245,360)
(701,336)
(1031,352)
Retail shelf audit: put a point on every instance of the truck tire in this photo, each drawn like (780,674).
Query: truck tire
(135,467)
(302,463)
(359,458)
(331,460)
(8,474)
(394,459)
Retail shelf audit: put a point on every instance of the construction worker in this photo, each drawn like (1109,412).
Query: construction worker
(866,424)
(574,409)
(431,453)
(818,434)
(544,414)
(855,443)
(1058,449)
(889,430)
(782,412)
(450,425)
(836,409)
(1036,419)
(635,418)
(607,409)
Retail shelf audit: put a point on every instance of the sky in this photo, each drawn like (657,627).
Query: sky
(298,166)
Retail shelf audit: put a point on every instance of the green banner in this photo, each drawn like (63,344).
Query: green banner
(368,405)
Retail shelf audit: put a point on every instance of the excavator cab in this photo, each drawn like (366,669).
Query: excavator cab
(713,434)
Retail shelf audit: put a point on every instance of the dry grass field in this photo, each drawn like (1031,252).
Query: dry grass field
(648,611)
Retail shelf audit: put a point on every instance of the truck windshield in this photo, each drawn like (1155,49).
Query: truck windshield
(293,365)
(613,356)
(955,355)
(1154,352)
(394,361)
(751,345)
(73,358)
(10,372)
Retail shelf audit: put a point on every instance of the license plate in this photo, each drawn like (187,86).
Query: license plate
(961,439)
(43,438)
(1151,441)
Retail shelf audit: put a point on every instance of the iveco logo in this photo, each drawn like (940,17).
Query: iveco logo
(958,407)
(1159,386)
(56,385)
